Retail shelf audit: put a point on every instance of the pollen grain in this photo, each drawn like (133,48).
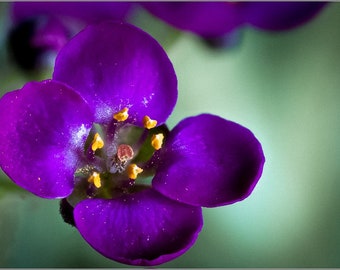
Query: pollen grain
(133,170)
(97,142)
(157,141)
(148,122)
(122,115)
(95,179)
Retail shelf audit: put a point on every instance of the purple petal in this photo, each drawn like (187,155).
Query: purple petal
(208,19)
(116,65)
(209,161)
(143,228)
(280,15)
(43,128)
(89,12)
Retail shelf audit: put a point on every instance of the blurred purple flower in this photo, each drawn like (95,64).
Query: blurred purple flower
(95,132)
(44,27)
(40,28)
(87,12)
(215,19)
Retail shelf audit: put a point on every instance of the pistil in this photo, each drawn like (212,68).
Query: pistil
(126,145)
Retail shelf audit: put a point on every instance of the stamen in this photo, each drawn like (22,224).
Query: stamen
(122,115)
(124,152)
(133,170)
(97,142)
(148,122)
(157,141)
(95,179)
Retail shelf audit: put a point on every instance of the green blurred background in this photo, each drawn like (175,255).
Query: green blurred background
(285,87)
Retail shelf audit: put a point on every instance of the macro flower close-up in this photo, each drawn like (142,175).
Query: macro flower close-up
(96,138)
(169,134)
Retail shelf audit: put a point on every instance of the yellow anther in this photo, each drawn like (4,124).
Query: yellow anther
(122,115)
(97,142)
(133,170)
(95,179)
(148,122)
(157,141)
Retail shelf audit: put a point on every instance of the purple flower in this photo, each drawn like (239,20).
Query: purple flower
(215,19)
(40,28)
(89,12)
(95,136)
(43,28)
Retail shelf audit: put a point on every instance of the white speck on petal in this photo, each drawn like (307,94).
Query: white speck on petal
(80,134)
(146,100)
(103,111)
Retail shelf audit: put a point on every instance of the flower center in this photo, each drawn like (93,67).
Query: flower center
(115,155)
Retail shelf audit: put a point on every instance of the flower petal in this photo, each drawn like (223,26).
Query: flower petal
(280,15)
(209,161)
(115,65)
(43,127)
(144,228)
(208,19)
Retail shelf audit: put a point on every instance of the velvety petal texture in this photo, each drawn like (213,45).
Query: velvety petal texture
(43,128)
(279,15)
(143,228)
(209,161)
(115,65)
(208,19)
(89,12)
